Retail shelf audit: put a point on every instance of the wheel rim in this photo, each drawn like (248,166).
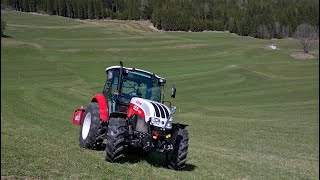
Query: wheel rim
(86,126)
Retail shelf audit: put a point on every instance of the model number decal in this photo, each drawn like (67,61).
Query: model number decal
(136,108)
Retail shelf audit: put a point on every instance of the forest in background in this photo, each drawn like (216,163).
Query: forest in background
(256,18)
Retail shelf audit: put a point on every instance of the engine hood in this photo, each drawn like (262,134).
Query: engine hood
(152,109)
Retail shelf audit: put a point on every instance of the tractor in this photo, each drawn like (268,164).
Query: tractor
(131,115)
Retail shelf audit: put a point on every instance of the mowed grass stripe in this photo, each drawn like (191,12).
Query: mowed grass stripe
(252,112)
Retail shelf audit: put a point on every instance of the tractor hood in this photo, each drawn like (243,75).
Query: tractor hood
(154,112)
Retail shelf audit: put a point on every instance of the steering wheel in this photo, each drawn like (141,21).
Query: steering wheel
(128,95)
(135,94)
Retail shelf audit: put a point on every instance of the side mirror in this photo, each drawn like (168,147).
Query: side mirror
(110,76)
(173,92)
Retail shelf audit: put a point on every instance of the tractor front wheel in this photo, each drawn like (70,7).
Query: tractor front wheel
(116,139)
(90,127)
(178,158)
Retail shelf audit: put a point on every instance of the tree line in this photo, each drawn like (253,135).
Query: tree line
(256,18)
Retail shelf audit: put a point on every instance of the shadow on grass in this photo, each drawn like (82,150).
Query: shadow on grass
(6,36)
(154,159)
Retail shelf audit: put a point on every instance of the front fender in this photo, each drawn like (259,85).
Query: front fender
(135,110)
(178,125)
(103,106)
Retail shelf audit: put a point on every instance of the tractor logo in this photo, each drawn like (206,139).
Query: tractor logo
(139,103)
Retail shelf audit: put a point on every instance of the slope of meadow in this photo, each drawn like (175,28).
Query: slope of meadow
(252,112)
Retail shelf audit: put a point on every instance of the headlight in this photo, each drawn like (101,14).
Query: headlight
(169,125)
(154,121)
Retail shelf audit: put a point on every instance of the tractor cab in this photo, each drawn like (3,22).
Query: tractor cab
(123,84)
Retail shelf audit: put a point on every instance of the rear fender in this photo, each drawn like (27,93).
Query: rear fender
(103,106)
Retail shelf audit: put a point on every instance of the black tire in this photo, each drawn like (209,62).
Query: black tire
(116,140)
(93,116)
(178,158)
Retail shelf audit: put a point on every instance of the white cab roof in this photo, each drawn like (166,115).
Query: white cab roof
(130,69)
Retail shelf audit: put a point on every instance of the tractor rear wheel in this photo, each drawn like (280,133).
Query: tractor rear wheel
(116,139)
(90,127)
(178,158)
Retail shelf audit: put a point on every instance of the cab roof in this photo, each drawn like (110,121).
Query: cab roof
(134,69)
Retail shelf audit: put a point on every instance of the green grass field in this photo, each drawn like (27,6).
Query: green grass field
(252,112)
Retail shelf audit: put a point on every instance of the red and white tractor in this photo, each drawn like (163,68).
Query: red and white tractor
(131,114)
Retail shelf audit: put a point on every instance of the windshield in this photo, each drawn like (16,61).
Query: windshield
(140,84)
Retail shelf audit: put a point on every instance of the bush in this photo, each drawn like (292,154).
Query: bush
(113,15)
(3,26)
(218,25)
(263,32)
(209,25)
(123,16)
(156,19)
(197,25)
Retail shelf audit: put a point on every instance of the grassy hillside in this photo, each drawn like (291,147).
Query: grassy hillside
(252,112)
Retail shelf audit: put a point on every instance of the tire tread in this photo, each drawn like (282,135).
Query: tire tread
(179,155)
(115,140)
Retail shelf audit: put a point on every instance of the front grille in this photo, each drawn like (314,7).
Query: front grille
(156,109)
(166,110)
(161,110)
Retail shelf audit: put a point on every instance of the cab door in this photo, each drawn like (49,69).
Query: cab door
(110,88)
